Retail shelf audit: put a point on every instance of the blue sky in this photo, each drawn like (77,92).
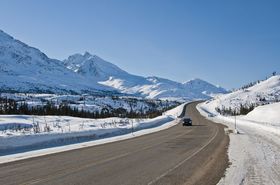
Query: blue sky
(226,42)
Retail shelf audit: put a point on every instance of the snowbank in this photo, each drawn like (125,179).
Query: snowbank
(267,114)
(266,118)
(175,112)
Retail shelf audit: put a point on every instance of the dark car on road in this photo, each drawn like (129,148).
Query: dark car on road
(187,122)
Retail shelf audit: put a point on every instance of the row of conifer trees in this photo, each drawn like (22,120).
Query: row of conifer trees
(10,106)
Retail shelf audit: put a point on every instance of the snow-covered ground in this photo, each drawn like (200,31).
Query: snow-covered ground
(254,153)
(267,114)
(66,130)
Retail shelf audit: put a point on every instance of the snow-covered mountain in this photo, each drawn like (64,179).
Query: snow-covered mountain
(27,69)
(108,74)
(93,67)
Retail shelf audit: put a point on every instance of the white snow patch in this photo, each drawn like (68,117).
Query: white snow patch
(269,114)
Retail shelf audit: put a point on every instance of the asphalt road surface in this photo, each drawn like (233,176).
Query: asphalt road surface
(178,155)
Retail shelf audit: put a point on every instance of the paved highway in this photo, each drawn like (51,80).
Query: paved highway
(178,155)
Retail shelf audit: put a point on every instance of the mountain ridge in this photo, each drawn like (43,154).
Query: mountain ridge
(24,68)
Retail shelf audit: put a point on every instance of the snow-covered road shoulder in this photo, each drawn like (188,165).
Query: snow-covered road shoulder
(254,153)
(166,121)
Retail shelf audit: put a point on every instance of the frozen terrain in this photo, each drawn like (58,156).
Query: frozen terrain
(254,153)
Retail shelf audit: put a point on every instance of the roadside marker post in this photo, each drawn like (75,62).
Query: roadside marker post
(132,127)
(235,124)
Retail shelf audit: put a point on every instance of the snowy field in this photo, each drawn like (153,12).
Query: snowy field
(56,131)
(254,153)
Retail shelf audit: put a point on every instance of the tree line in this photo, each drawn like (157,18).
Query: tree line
(10,106)
(242,110)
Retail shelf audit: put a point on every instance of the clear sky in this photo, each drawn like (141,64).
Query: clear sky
(226,42)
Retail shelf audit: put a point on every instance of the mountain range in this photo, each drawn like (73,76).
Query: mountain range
(27,69)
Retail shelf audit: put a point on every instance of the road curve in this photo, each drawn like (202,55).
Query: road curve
(178,155)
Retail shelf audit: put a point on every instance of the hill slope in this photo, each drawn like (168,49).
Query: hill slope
(262,93)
